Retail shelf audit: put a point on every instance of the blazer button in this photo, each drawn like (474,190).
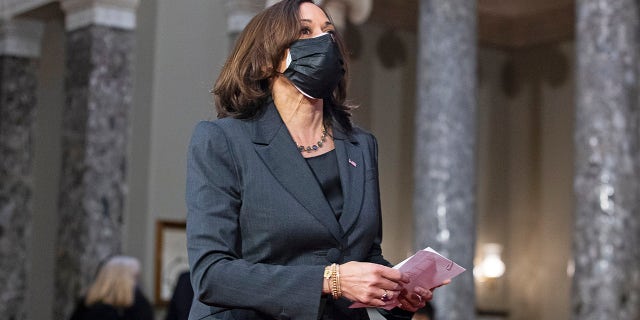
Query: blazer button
(284,316)
(334,255)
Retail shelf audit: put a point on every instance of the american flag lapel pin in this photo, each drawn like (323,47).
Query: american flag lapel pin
(353,163)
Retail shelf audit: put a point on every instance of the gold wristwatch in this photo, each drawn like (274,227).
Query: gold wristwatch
(327,272)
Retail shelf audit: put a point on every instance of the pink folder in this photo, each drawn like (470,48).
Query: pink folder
(426,269)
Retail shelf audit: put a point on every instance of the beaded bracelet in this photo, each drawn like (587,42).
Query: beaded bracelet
(339,289)
(332,274)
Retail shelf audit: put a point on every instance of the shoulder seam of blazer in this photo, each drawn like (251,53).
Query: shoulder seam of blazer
(231,154)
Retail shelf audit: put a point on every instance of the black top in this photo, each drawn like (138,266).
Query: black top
(181,300)
(325,169)
(140,310)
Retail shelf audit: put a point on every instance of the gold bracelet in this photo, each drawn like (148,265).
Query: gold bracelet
(338,281)
(335,282)
(334,291)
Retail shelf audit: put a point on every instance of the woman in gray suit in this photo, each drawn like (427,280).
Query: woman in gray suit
(282,191)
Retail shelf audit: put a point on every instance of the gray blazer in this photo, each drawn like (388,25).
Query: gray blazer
(259,229)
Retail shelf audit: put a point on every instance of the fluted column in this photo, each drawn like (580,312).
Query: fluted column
(606,283)
(444,199)
(19,50)
(95,132)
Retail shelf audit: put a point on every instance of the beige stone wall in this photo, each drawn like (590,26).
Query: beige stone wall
(47,164)
(386,96)
(181,49)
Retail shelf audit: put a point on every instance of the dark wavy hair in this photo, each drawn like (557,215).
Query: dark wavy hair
(242,89)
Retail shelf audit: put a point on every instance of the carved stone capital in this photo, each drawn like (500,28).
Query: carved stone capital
(110,13)
(21,38)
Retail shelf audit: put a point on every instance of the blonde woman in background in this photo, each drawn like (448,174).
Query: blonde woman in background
(114,294)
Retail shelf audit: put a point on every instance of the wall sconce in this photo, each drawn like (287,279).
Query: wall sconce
(490,265)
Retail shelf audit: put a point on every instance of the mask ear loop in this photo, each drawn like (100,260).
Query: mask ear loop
(288,59)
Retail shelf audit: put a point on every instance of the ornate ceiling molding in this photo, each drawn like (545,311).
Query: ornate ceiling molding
(510,24)
(525,28)
(343,11)
(355,11)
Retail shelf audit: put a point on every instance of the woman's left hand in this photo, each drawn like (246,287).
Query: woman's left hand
(412,301)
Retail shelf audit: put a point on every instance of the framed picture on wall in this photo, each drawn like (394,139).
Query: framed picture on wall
(171,258)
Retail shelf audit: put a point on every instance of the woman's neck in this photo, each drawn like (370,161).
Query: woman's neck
(303,116)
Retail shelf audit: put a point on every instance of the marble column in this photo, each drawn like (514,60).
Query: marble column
(19,50)
(606,242)
(444,199)
(95,132)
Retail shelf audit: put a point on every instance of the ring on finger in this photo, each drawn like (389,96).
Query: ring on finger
(385,297)
(419,297)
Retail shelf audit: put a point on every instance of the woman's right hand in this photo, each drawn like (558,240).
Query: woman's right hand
(367,283)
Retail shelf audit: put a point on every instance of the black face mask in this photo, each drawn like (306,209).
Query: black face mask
(316,66)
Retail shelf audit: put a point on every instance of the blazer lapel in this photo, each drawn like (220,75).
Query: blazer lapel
(278,151)
(351,168)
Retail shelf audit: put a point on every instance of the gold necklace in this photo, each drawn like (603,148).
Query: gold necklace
(316,146)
